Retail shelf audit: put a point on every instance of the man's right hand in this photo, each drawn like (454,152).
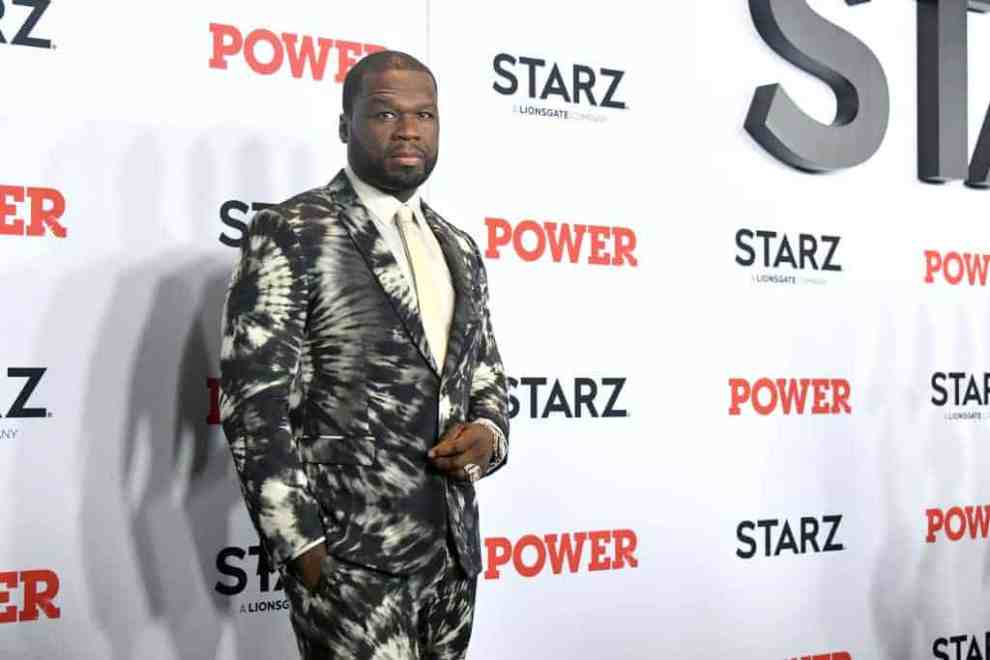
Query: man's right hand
(307,566)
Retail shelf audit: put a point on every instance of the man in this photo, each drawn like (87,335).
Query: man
(363,392)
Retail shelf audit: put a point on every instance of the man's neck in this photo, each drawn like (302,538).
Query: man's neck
(403,195)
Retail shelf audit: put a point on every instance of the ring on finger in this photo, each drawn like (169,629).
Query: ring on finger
(472,472)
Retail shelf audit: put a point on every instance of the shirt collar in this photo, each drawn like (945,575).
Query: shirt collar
(381,204)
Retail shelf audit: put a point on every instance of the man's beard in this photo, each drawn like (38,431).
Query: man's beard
(373,171)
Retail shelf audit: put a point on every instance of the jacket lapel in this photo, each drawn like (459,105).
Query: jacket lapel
(464,322)
(357,219)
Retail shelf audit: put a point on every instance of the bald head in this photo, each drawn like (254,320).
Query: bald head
(386,60)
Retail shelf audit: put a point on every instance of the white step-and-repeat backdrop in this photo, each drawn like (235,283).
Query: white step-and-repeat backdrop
(751,404)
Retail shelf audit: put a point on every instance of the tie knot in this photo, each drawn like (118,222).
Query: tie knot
(404,216)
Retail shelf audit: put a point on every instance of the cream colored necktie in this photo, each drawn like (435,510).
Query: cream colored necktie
(426,290)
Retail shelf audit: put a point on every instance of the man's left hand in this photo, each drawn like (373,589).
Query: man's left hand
(463,444)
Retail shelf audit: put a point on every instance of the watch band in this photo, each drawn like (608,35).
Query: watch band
(499,445)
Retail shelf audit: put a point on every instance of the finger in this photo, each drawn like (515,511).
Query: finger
(454,463)
(451,448)
(449,463)
(444,443)
(452,445)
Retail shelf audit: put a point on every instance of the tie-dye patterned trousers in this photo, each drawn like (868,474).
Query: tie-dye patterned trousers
(356,613)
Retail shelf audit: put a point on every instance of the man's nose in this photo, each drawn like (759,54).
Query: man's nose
(407,127)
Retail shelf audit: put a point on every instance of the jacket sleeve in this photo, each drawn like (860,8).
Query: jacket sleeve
(489,396)
(263,331)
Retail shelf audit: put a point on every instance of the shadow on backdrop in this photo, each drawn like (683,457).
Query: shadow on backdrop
(158,496)
(158,487)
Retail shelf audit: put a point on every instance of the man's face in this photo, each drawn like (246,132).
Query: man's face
(393,130)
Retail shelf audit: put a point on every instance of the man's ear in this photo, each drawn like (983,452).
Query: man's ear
(344,128)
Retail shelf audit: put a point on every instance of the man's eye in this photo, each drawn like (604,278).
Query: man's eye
(426,115)
(386,114)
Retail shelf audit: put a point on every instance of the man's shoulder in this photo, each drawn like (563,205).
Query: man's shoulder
(315,207)
(305,206)
(313,204)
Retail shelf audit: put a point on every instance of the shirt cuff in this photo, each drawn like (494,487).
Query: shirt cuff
(498,445)
(306,548)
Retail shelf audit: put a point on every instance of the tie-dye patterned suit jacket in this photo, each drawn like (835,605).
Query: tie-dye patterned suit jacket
(331,397)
